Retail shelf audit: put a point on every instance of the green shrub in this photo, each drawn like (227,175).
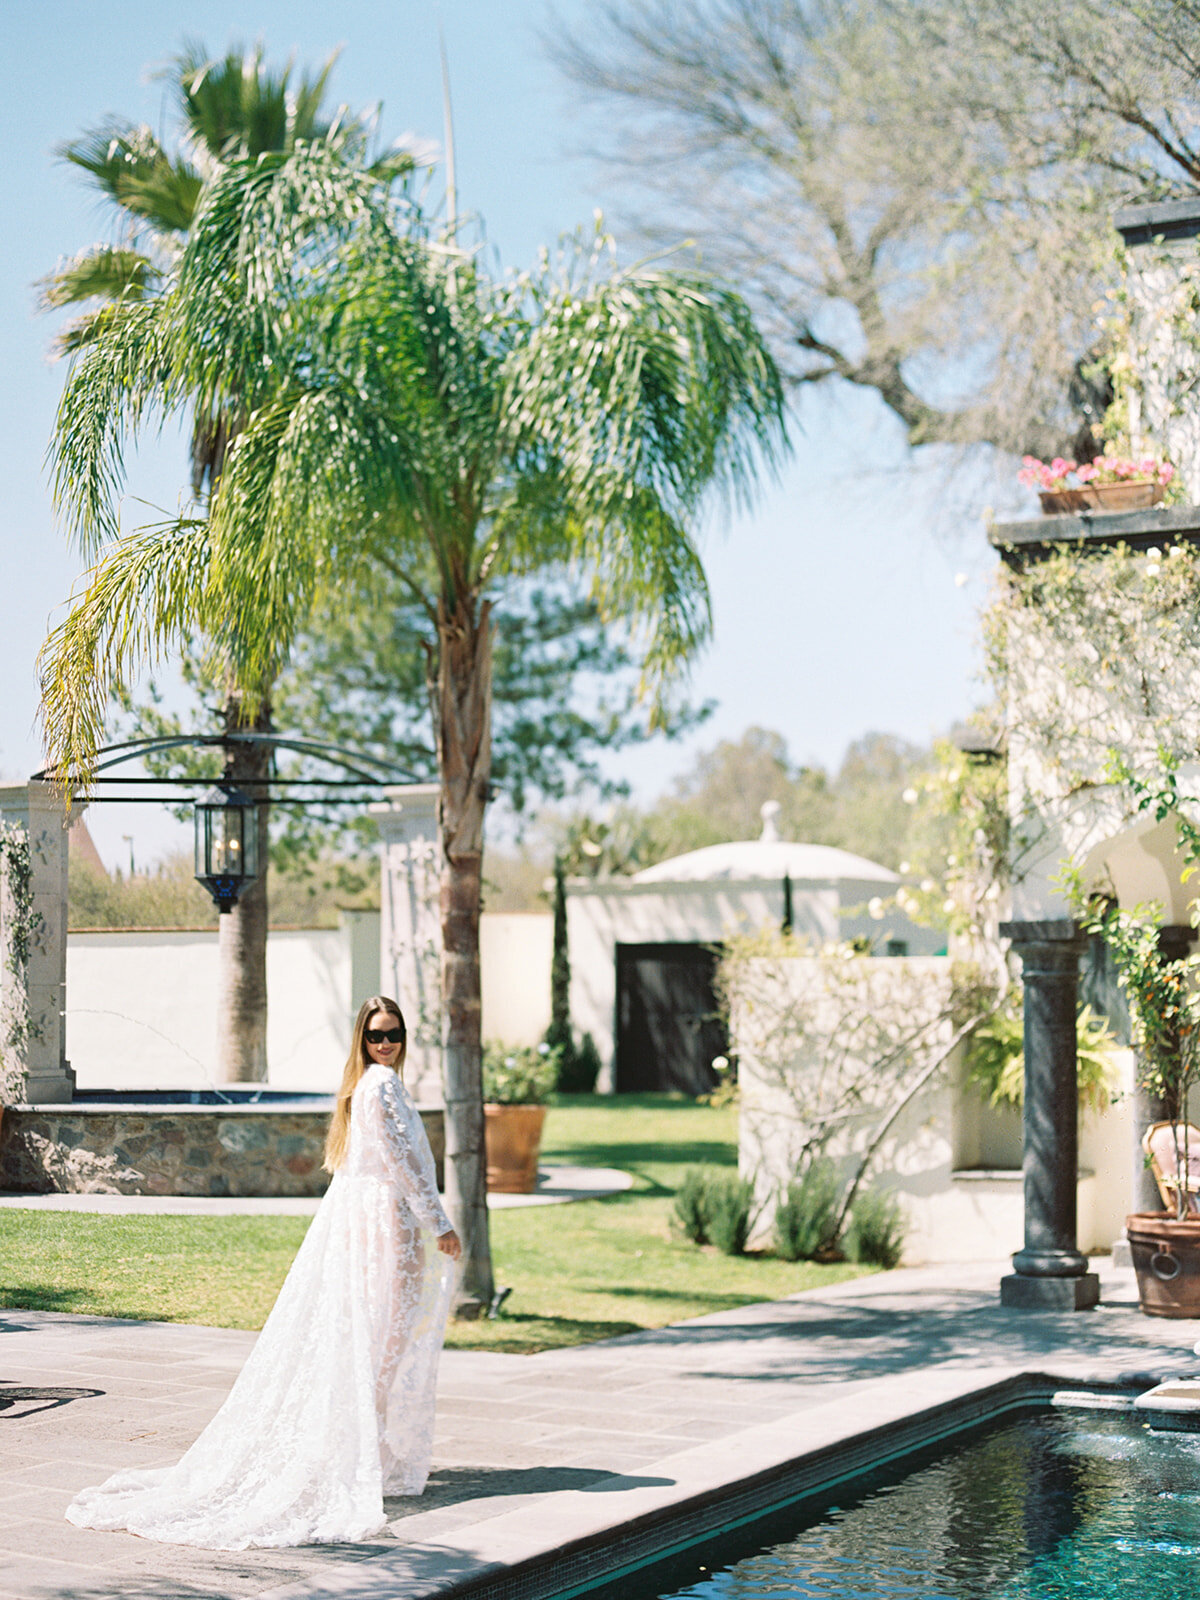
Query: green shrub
(877,1228)
(806,1217)
(996,1057)
(689,1215)
(579,1066)
(730,1201)
(519,1075)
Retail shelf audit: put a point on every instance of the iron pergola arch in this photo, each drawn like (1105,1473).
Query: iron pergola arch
(225,836)
(369,772)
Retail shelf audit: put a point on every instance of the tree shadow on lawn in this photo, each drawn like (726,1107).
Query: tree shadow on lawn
(41,1297)
(696,1297)
(626,1152)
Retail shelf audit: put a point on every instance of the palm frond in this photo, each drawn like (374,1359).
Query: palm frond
(150,590)
(264,236)
(105,272)
(121,371)
(129,166)
(660,378)
(314,480)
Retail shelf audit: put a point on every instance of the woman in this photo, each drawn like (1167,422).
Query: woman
(334,1407)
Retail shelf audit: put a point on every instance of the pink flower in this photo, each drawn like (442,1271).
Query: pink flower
(1062,474)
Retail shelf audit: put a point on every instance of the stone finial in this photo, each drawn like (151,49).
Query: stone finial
(769,811)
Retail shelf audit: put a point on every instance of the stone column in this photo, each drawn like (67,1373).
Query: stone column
(1050,1273)
(410,933)
(33,946)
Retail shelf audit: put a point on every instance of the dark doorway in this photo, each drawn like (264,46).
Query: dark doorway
(668,1024)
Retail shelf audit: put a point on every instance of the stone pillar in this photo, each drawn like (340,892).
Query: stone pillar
(410,932)
(33,946)
(1050,1273)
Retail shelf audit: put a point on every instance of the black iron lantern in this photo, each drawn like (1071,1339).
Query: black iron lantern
(226,843)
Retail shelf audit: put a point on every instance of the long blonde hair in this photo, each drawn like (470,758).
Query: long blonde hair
(357,1062)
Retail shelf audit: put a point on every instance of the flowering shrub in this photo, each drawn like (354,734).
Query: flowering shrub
(1061,474)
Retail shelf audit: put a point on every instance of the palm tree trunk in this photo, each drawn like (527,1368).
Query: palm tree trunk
(242,935)
(463,727)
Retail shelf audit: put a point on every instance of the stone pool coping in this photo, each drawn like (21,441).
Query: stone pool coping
(584,1536)
(539,1456)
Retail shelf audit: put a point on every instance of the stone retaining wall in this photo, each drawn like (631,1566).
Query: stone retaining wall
(185,1150)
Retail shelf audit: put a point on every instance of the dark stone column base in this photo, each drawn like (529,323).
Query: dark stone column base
(1050,1294)
(1050,1263)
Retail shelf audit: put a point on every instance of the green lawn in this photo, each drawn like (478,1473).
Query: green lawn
(578,1272)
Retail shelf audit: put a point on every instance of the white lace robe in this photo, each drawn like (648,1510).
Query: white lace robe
(334,1407)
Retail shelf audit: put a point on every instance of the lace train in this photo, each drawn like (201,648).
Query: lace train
(334,1407)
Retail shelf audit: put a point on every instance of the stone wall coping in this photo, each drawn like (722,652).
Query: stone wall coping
(151,1108)
(1039,537)
(1001,1174)
(1159,219)
(1060,930)
(70,1108)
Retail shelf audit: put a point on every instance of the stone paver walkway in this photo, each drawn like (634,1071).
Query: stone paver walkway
(532,1451)
(555,1186)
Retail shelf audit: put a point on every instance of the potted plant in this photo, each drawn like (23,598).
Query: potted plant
(518,1081)
(1165,1012)
(1111,482)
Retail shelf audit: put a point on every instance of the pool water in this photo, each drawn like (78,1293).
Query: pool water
(1058,1505)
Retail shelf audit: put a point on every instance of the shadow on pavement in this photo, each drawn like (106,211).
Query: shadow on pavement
(13,1396)
(450,1486)
(860,1342)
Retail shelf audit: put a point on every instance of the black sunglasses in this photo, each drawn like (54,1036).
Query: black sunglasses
(378,1035)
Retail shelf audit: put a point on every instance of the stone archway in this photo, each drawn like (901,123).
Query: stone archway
(33,942)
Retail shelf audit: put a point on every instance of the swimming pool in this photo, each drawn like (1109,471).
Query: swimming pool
(1053,1504)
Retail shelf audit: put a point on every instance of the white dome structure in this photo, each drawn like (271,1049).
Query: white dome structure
(644,948)
(764,860)
(767,859)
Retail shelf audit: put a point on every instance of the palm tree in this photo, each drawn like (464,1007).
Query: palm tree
(459,431)
(233,109)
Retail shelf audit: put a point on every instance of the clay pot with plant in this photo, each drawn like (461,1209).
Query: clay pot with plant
(1165,1012)
(517,1084)
(1111,482)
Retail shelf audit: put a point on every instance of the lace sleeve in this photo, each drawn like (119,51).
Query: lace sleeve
(406,1153)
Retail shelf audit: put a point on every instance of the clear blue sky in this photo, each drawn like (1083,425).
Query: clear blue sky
(837,609)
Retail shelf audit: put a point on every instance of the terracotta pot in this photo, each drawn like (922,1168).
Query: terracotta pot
(1057,501)
(1166,1257)
(512,1137)
(1132,494)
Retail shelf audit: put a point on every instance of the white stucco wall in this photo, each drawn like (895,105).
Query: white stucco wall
(953,1160)
(602,915)
(515,952)
(141,1006)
